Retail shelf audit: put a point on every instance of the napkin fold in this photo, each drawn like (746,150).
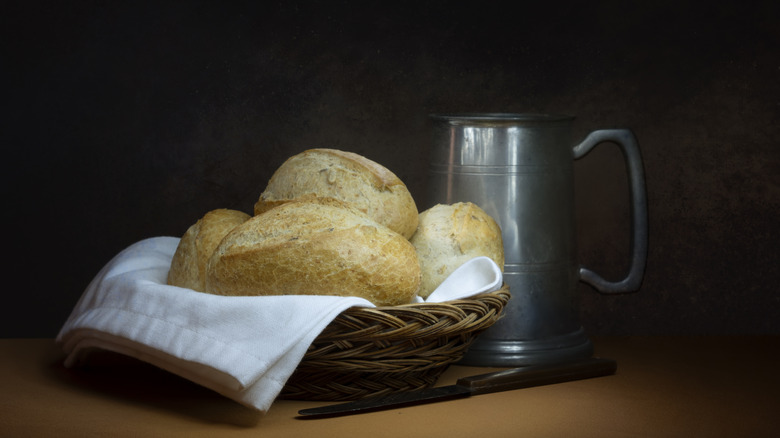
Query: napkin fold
(244,348)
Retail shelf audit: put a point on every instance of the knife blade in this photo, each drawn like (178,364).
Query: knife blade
(506,380)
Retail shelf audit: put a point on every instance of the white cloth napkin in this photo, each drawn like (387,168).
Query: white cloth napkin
(244,348)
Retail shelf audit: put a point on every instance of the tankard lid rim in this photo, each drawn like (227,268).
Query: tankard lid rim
(501,117)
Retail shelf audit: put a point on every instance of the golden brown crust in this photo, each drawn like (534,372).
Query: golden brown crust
(188,267)
(450,235)
(382,178)
(307,248)
(362,183)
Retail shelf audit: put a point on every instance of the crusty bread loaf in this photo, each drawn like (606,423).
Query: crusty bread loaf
(188,267)
(450,235)
(309,248)
(364,184)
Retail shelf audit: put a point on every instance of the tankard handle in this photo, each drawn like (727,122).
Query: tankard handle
(629,146)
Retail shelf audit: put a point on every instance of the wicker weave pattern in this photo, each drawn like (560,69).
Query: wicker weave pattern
(368,352)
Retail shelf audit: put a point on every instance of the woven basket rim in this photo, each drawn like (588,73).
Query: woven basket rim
(371,351)
(418,320)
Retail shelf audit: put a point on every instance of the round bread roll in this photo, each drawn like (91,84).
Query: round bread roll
(450,235)
(188,267)
(310,248)
(328,173)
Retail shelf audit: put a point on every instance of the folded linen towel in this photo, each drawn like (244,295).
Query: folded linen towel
(244,348)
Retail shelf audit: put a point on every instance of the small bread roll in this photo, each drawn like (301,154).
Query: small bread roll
(328,173)
(449,236)
(311,248)
(188,267)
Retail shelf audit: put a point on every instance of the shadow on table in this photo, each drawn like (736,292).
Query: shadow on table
(133,381)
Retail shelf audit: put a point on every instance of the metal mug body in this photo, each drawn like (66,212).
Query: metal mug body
(519,168)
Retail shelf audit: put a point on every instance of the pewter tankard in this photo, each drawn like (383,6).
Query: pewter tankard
(519,169)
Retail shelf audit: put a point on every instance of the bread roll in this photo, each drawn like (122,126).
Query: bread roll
(188,267)
(450,235)
(367,186)
(306,248)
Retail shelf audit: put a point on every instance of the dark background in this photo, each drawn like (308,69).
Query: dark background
(126,120)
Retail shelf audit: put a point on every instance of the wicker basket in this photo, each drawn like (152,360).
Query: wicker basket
(368,352)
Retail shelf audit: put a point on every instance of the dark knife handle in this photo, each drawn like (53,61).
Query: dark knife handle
(537,375)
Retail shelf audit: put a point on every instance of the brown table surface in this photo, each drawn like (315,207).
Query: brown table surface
(664,386)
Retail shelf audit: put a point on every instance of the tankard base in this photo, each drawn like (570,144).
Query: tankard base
(515,353)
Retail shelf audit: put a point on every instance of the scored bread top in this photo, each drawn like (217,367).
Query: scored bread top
(346,176)
(304,248)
